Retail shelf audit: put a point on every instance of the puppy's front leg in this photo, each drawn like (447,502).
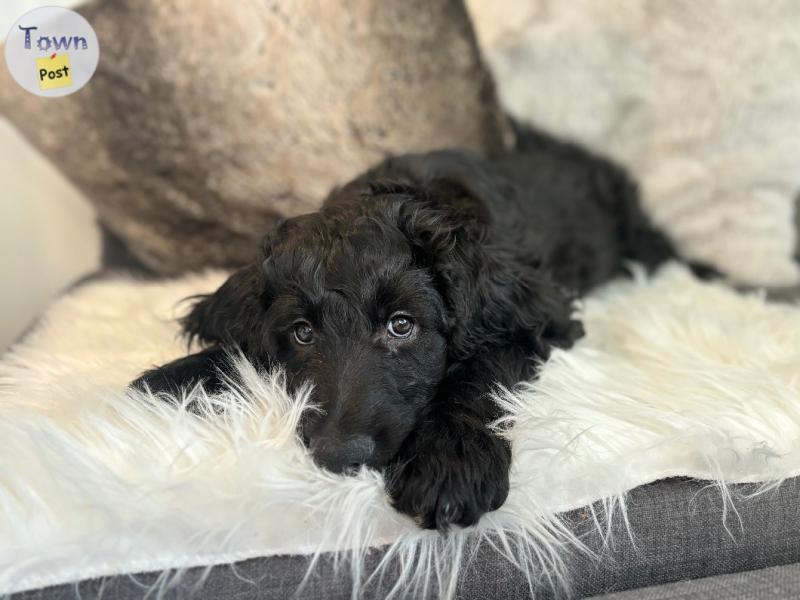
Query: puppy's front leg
(452,468)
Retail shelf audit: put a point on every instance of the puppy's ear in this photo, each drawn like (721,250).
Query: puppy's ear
(493,300)
(234,314)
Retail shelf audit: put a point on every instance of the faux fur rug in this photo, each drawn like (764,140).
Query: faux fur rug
(675,377)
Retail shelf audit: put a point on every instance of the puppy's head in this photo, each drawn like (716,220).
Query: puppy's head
(349,309)
(342,299)
(372,300)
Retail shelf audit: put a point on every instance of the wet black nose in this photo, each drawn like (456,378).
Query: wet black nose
(340,456)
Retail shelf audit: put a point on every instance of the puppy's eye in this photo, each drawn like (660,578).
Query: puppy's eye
(303,333)
(400,326)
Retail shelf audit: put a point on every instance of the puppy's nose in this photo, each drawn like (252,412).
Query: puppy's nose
(340,456)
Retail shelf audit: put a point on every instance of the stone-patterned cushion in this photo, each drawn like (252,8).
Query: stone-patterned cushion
(206,121)
(701,100)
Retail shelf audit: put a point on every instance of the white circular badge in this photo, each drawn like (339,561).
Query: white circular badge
(52,51)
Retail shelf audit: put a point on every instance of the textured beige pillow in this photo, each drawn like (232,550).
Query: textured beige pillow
(701,100)
(207,120)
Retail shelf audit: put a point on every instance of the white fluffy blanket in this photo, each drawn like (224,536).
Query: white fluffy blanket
(675,377)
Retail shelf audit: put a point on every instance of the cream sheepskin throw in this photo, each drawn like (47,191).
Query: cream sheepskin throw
(674,377)
(700,100)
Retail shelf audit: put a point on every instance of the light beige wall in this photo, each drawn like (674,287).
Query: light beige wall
(48,236)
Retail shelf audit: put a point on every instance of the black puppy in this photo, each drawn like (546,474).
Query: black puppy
(414,291)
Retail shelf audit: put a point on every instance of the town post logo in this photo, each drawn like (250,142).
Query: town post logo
(52,51)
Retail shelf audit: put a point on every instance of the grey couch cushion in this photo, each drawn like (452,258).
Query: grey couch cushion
(773,583)
(677,526)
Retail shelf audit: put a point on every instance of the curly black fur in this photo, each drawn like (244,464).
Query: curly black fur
(484,255)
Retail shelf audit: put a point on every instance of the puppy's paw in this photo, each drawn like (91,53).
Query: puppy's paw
(446,477)
(207,367)
(158,381)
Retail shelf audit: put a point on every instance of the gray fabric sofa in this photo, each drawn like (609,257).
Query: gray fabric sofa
(678,534)
(762,584)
